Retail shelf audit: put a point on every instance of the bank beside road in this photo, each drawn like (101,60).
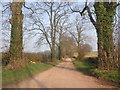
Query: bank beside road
(89,68)
(15,76)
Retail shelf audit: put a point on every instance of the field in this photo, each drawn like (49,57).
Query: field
(91,54)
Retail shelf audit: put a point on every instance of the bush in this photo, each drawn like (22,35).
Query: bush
(27,57)
(17,64)
(84,49)
(5,58)
(32,57)
(45,58)
(93,61)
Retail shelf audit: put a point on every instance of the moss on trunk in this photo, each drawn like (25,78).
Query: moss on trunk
(16,31)
(105,13)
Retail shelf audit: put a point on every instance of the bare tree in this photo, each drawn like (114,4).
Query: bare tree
(54,11)
(63,27)
(77,33)
(68,45)
(6,13)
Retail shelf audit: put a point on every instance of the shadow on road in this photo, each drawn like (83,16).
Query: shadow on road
(64,67)
(84,70)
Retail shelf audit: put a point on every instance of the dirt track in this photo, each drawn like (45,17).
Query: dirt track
(63,75)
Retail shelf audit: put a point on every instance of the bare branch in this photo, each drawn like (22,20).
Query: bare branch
(80,12)
(90,16)
(28,8)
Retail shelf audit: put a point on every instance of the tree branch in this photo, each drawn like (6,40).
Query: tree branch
(90,16)
(28,8)
(81,12)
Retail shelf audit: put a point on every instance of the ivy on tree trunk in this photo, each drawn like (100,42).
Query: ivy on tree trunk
(105,13)
(16,31)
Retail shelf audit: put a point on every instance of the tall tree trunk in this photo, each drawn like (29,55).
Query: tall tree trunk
(60,52)
(60,43)
(16,31)
(105,13)
(78,43)
(53,54)
(79,53)
(53,32)
(119,37)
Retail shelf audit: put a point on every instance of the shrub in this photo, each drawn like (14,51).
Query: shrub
(5,58)
(27,57)
(32,57)
(93,61)
(17,64)
(84,49)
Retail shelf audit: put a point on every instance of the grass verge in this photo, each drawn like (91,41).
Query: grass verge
(14,76)
(89,69)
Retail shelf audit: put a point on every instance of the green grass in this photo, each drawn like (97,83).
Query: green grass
(84,67)
(89,69)
(109,75)
(14,76)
